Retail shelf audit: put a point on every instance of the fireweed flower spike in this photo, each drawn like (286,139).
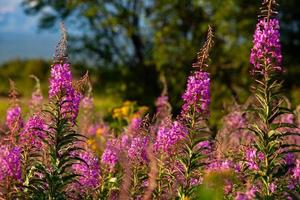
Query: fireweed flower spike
(88,101)
(168,135)
(266,52)
(137,150)
(61,79)
(110,154)
(195,111)
(10,161)
(36,101)
(89,173)
(52,177)
(266,60)
(14,120)
(87,118)
(197,95)
(266,49)
(33,132)
(163,107)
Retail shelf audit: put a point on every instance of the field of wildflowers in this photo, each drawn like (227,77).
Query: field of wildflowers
(54,153)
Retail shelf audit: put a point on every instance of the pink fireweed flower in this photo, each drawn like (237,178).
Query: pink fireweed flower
(110,154)
(60,79)
(163,107)
(138,148)
(253,158)
(33,132)
(168,135)
(125,141)
(290,159)
(89,172)
(272,187)
(235,121)
(87,102)
(197,94)
(14,119)
(266,45)
(134,125)
(196,181)
(61,84)
(205,147)
(296,171)
(233,132)
(71,106)
(36,101)
(109,157)
(248,195)
(10,163)
(161,102)
(221,165)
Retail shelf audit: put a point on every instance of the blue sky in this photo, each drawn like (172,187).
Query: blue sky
(19,35)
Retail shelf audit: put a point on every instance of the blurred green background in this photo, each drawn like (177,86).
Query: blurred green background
(127,44)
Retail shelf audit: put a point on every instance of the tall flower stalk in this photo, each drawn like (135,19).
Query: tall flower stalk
(267,66)
(14,120)
(52,178)
(195,112)
(36,101)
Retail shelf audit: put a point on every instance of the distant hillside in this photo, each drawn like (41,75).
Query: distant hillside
(19,71)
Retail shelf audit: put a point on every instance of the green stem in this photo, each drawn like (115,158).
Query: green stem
(266,142)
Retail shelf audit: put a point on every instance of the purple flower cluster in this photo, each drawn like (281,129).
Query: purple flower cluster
(90,173)
(253,158)
(272,187)
(71,106)
(161,101)
(249,195)
(296,171)
(61,84)
(197,94)
(234,131)
(10,162)
(134,125)
(235,121)
(290,159)
(267,47)
(222,165)
(196,181)
(33,132)
(110,154)
(60,79)
(14,119)
(138,148)
(87,102)
(36,100)
(162,106)
(205,147)
(168,135)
